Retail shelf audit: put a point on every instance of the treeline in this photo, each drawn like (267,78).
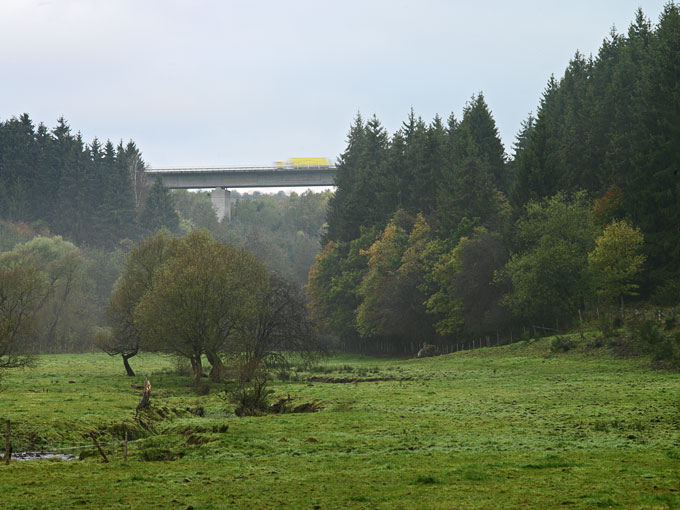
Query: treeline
(74,283)
(282,230)
(70,212)
(52,293)
(434,235)
(90,193)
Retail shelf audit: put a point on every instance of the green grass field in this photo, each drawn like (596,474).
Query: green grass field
(506,427)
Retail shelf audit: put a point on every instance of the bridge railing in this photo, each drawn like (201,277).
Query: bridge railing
(237,169)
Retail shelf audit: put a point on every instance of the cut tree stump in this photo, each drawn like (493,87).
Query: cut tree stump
(145,396)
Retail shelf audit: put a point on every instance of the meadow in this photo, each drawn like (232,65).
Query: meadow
(505,427)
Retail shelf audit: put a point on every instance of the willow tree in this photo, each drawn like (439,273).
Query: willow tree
(197,299)
(142,262)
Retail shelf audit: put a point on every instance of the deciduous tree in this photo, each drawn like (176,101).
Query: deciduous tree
(616,261)
(197,298)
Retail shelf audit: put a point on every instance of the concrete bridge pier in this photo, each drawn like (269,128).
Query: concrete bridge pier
(221,200)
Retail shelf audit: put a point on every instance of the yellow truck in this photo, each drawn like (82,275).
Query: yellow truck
(302,162)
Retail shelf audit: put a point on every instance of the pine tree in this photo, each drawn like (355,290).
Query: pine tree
(361,179)
(653,196)
(159,210)
(467,196)
(537,165)
(479,124)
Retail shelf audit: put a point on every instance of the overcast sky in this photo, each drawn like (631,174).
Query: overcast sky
(248,82)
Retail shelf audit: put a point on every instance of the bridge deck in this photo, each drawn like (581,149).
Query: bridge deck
(246,176)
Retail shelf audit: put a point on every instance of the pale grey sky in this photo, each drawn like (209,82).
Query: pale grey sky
(208,82)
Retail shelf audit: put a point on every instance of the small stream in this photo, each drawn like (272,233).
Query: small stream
(41,456)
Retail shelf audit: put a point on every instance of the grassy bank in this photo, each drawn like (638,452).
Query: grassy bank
(507,427)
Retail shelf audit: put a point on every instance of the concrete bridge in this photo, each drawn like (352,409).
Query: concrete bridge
(220,179)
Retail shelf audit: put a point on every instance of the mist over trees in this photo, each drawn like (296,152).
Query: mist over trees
(72,213)
(435,233)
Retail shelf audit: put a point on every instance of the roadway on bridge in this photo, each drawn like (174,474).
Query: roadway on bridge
(245,177)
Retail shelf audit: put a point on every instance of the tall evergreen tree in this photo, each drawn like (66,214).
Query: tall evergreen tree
(481,127)
(360,182)
(653,196)
(159,210)
(537,165)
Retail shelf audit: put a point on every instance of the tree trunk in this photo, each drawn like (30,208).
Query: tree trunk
(128,368)
(218,370)
(196,369)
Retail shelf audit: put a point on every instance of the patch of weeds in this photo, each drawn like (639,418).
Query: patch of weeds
(475,476)
(198,439)
(359,498)
(602,502)
(141,478)
(664,348)
(673,454)
(159,454)
(426,480)
(669,500)
(250,396)
(670,322)
(193,428)
(549,462)
(202,389)
(607,327)
(607,425)
(561,344)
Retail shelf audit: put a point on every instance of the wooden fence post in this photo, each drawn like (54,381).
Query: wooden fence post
(96,443)
(8,449)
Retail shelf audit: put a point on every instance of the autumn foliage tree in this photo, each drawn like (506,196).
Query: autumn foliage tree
(616,261)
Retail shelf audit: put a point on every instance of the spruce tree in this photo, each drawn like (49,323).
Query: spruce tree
(159,210)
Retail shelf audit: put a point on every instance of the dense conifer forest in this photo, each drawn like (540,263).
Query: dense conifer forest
(70,212)
(436,235)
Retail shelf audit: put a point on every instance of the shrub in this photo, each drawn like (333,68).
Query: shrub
(251,396)
(607,326)
(664,348)
(561,344)
(202,389)
(667,294)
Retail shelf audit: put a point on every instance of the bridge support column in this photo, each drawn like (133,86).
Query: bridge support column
(221,200)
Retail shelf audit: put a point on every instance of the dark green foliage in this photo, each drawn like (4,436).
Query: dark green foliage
(250,396)
(548,273)
(82,192)
(159,210)
(283,231)
(668,293)
(362,182)
(613,120)
(607,132)
(663,346)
